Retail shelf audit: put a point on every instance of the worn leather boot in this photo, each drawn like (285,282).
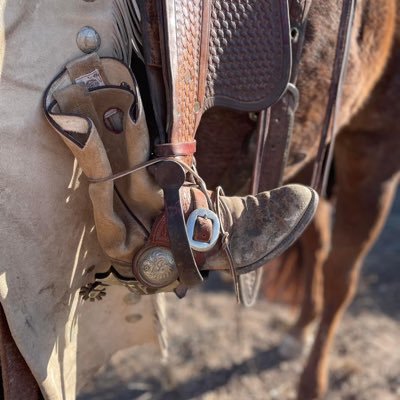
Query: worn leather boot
(259,228)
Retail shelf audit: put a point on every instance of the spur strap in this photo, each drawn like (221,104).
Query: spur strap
(171,176)
(275,125)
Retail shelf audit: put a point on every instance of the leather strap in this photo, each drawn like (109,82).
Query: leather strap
(175,149)
(299,10)
(278,140)
(203,227)
(274,128)
(329,129)
(170,176)
(18,381)
(274,131)
(150,24)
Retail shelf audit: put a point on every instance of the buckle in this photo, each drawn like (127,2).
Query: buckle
(190,226)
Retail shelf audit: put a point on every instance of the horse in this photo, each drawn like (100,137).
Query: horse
(48,224)
(366,170)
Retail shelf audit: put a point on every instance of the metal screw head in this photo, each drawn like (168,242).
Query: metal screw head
(88,40)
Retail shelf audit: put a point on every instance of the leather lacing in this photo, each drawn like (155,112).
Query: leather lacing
(225,242)
(202,185)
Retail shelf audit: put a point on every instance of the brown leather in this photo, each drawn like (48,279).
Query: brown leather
(203,227)
(299,10)
(191,199)
(211,58)
(175,149)
(274,131)
(202,230)
(329,130)
(18,381)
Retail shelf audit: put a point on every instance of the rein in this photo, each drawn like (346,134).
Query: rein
(329,129)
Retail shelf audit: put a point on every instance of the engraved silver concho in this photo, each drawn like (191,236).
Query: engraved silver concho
(88,40)
(156,267)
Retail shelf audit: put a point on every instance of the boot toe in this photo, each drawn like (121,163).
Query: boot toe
(269,223)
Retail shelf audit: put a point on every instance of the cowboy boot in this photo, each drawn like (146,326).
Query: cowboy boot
(260,228)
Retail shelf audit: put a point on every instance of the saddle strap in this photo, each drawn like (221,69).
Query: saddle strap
(274,132)
(275,125)
(329,128)
(18,381)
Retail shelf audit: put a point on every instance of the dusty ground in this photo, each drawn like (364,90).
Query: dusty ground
(221,352)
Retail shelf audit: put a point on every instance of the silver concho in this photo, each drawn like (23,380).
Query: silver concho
(156,267)
(88,40)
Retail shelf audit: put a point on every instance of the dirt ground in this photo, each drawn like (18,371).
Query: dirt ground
(220,351)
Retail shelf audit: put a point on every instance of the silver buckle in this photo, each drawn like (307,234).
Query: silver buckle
(190,224)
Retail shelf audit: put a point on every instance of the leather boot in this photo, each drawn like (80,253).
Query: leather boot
(260,228)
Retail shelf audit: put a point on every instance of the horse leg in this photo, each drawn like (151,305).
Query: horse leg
(366,172)
(315,244)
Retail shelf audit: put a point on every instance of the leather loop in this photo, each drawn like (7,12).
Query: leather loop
(170,176)
(202,230)
(175,149)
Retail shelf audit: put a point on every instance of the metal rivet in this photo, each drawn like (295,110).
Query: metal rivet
(88,40)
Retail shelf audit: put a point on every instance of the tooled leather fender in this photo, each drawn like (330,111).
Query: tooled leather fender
(222,53)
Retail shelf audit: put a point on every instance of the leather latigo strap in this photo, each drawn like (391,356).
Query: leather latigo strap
(150,24)
(170,176)
(274,128)
(274,131)
(329,128)
(175,149)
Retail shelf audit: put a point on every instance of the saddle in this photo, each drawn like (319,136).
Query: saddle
(231,54)
(211,54)
(196,54)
